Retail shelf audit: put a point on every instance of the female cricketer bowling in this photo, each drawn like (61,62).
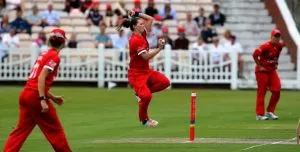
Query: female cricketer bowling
(34,102)
(142,79)
(266,57)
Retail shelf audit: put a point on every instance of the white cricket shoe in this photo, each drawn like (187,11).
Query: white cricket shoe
(151,123)
(272,116)
(259,117)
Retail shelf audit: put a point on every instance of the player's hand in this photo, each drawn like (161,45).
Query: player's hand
(45,107)
(161,43)
(58,100)
(131,12)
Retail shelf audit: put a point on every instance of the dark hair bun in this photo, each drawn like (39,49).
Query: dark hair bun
(126,23)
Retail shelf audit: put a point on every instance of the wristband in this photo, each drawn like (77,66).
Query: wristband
(42,98)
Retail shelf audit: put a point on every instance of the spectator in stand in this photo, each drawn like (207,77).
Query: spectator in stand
(217,18)
(166,37)
(217,48)
(109,15)
(86,4)
(152,40)
(181,42)
(190,26)
(72,4)
(199,49)
(50,17)
(208,32)
(119,40)
(3,8)
(137,6)
(72,43)
(94,17)
(157,25)
(4,28)
(41,40)
(11,39)
(151,10)
(200,20)
(235,46)
(34,18)
(167,13)
(3,50)
(19,24)
(102,37)
(226,37)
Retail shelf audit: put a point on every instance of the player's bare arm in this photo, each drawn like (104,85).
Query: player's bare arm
(149,19)
(256,56)
(153,52)
(41,88)
(56,99)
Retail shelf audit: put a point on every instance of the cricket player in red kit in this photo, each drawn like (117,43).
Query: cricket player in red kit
(266,58)
(34,102)
(142,79)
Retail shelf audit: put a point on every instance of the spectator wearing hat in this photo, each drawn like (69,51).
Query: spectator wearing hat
(208,32)
(166,37)
(190,26)
(86,4)
(200,19)
(217,18)
(151,10)
(167,13)
(109,15)
(181,42)
(137,6)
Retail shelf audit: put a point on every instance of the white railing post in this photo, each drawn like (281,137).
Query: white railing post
(100,65)
(34,53)
(167,64)
(234,70)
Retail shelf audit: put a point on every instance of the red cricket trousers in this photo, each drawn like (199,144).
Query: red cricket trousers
(145,83)
(267,80)
(30,116)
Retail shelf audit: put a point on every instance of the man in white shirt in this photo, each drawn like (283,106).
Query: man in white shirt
(51,17)
(217,49)
(234,46)
(11,40)
(199,51)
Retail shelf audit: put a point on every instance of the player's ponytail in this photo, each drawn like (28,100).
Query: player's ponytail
(128,23)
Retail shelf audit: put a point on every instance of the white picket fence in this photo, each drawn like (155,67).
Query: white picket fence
(111,65)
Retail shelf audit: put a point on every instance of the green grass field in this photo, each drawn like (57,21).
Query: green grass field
(91,114)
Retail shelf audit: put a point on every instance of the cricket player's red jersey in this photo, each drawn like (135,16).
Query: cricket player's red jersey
(49,60)
(138,44)
(268,54)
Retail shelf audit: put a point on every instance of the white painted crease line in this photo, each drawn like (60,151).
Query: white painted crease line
(273,143)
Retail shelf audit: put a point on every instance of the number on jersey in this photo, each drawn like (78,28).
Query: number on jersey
(34,71)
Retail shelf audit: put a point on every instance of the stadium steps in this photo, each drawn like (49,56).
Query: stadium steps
(250,22)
